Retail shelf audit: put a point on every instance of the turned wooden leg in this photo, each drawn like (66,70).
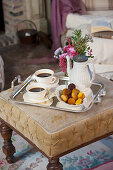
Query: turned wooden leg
(54,164)
(8,147)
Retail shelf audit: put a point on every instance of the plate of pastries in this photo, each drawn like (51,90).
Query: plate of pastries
(70,96)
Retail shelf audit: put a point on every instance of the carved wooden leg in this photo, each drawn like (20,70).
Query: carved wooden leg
(54,164)
(8,147)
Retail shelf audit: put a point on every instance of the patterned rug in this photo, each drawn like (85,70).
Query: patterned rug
(97,156)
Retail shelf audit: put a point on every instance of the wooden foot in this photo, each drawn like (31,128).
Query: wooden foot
(8,147)
(54,164)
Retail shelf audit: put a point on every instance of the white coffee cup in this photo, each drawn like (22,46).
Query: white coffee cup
(44,76)
(36,90)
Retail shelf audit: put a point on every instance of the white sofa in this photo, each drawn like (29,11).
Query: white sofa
(102,48)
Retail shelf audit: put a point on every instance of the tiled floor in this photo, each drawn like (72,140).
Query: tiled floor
(24,60)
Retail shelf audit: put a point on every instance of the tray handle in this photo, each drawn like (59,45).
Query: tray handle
(17,78)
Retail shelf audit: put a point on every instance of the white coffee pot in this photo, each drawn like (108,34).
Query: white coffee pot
(82,73)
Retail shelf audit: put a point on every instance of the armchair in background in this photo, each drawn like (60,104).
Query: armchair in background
(92,10)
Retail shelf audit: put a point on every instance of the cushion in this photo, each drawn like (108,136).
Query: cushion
(75,20)
(103,34)
(97,5)
(86,29)
(108,13)
(105,69)
(111,24)
(100,25)
(100,47)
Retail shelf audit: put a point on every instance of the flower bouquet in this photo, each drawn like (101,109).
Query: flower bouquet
(75,45)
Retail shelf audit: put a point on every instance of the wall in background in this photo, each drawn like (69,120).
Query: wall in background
(48,15)
(18,10)
(1,17)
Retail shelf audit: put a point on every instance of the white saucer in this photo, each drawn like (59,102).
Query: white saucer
(47,98)
(47,103)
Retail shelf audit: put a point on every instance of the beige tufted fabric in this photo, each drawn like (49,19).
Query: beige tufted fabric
(54,131)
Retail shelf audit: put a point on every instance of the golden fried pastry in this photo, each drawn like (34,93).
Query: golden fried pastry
(71,101)
(81,95)
(75,90)
(66,91)
(64,97)
(78,101)
(74,95)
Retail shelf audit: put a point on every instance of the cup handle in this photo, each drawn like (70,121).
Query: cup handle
(53,80)
(33,77)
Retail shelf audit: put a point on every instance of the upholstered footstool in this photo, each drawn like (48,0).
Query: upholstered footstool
(55,132)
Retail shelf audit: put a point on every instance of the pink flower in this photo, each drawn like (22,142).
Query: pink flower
(66,48)
(85,162)
(68,40)
(90,52)
(63,61)
(71,52)
(2,163)
(69,49)
(90,152)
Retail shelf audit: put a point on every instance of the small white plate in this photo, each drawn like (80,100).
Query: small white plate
(27,98)
(86,100)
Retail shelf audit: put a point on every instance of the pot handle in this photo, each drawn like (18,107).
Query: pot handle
(91,70)
(25,22)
